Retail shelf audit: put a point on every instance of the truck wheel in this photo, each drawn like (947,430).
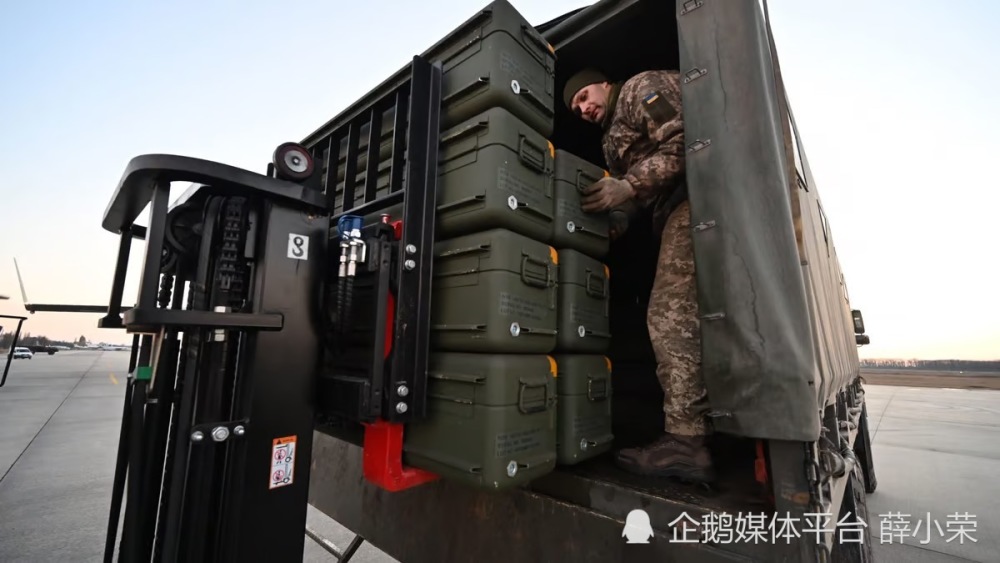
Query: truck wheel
(863,451)
(854,508)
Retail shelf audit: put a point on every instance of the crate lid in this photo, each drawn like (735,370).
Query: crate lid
(525,380)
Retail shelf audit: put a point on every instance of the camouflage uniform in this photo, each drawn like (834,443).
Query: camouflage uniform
(644,144)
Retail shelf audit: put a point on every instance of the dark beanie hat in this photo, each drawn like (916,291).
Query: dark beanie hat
(581,79)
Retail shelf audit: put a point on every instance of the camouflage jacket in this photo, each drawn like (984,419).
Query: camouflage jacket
(644,140)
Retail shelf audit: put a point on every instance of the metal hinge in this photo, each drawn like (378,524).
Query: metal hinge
(704,226)
(698,145)
(691,5)
(694,74)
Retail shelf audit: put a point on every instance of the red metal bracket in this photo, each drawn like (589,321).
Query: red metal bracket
(382,459)
(761,474)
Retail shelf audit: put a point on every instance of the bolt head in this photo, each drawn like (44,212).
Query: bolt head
(515,329)
(197,436)
(409,264)
(512,469)
(411,249)
(239,430)
(402,391)
(401,408)
(583,444)
(220,433)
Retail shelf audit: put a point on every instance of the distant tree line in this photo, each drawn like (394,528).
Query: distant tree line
(934,365)
(28,339)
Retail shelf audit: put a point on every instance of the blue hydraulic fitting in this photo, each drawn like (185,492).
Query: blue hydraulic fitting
(349,226)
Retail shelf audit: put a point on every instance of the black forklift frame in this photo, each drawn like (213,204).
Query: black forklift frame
(191,492)
(177,443)
(13,344)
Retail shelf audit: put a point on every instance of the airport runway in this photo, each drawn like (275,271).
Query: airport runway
(937,454)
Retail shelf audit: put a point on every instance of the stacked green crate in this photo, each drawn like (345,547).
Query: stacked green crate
(491,392)
(584,328)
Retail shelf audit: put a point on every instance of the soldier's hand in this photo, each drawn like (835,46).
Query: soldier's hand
(620,217)
(607,193)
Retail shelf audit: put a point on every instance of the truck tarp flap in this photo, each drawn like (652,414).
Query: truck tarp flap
(759,357)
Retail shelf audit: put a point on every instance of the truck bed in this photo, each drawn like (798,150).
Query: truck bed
(734,491)
(580,511)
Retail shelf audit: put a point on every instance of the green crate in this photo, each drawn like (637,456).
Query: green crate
(495,172)
(494,59)
(497,58)
(583,415)
(584,304)
(572,228)
(491,419)
(494,291)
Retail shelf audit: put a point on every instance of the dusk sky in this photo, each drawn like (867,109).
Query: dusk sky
(896,104)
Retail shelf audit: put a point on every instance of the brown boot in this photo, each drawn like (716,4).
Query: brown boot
(673,455)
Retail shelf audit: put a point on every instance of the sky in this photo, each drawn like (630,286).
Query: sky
(895,102)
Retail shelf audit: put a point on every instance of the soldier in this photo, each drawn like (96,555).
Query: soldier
(643,143)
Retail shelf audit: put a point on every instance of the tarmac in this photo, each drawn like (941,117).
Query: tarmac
(937,456)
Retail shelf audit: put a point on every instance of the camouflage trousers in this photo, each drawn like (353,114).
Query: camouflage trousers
(674,329)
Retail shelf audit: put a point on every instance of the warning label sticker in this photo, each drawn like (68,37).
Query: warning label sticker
(282,462)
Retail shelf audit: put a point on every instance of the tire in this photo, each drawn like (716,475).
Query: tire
(855,503)
(863,451)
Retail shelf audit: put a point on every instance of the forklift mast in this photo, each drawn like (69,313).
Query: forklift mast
(245,326)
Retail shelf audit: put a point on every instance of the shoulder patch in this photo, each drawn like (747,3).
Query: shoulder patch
(658,107)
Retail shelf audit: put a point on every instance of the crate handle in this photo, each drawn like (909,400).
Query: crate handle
(464,202)
(467,90)
(534,159)
(458,328)
(531,35)
(535,100)
(596,286)
(581,175)
(529,279)
(580,229)
(540,407)
(592,390)
(467,250)
(534,210)
(465,131)
(463,377)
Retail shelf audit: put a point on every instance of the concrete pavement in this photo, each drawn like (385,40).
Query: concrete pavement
(937,457)
(937,454)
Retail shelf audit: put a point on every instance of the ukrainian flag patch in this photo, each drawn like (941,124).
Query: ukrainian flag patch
(658,108)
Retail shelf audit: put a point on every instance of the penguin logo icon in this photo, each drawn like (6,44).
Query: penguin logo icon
(637,527)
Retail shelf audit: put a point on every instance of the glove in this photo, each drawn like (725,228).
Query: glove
(619,219)
(605,194)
